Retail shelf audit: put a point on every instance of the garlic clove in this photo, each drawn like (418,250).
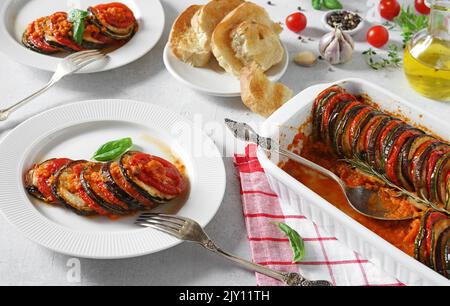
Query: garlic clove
(305,58)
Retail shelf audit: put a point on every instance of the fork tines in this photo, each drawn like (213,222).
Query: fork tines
(167,223)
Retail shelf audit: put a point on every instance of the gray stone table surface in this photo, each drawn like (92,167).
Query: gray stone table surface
(24,263)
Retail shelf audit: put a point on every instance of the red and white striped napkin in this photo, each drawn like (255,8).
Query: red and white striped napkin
(326,258)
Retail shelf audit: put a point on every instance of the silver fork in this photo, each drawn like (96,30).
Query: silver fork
(68,65)
(189,230)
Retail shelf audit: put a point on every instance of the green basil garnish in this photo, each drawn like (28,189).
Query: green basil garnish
(317,4)
(297,243)
(77,17)
(113,149)
(328,4)
(332,4)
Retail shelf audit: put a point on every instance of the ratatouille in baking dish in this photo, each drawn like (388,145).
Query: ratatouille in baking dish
(408,167)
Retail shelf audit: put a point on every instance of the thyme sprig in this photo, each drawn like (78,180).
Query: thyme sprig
(393,58)
(362,166)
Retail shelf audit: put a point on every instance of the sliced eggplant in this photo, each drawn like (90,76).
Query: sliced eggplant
(119,186)
(68,190)
(153,177)
(353,130)
(434,178)
(392,156)
(328,109)
(93,38)
(390,128)
(39,178)
(95,187)
(34,37)
(374,140)
(442,253)
(59,32)
(360,132)
(317,121)
(115,20)
(438,227)
(341,127)
(366,135)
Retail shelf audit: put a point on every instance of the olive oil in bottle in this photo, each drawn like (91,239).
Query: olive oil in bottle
(427,67)
(427,55)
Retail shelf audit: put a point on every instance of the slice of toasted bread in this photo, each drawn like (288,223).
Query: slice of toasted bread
(247,35)
(208,17)
(260,94)
(184,41)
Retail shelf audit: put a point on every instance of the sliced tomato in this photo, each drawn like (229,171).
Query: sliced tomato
(36,36)
(329,107)
(394,155)
(353,130)
(381,141)
(59,32)
(83,195)
(44,176)
(158,173)
(115,14)
(123,184)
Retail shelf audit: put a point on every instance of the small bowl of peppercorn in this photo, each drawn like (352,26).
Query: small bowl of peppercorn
(349,22)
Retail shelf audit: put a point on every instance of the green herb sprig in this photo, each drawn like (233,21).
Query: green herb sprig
(410,23)
(422,202)
(328,4)
(392,60)
(296,241)
(113,149)
(77,17)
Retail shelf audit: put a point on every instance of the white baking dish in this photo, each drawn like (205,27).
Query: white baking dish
(283,126)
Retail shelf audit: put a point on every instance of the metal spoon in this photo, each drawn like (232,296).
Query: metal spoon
(364,201)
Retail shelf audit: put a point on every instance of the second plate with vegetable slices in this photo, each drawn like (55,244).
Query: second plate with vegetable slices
(67,138)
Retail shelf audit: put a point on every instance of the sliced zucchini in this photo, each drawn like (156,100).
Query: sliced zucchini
(438,227)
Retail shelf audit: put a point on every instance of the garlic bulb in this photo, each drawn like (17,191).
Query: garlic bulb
(336,47)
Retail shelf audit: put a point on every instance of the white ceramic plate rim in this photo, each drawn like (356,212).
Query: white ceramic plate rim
(16,207)
(167,58)
(144,40)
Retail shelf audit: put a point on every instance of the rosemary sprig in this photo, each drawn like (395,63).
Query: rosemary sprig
(393,58)
(360,165)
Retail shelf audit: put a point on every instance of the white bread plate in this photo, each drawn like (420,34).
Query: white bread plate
(283,125)
(213,80)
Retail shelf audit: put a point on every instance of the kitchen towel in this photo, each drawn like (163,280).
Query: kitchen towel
(326,258)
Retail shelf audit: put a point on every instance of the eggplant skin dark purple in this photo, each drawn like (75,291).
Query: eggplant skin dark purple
(61,193)
(442,253)
(108,29)
(138,188)
(109,207)
(118,192)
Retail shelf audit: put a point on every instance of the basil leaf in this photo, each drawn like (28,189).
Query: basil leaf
(332,4)
(77,17)
(317,4)
(113,149)
(297,243)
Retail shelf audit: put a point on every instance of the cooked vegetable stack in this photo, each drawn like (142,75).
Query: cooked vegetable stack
(406,156)
(138,181)
(101,26)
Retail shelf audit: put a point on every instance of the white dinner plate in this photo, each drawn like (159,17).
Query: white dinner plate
(75,131)
(213,80)
(15,15)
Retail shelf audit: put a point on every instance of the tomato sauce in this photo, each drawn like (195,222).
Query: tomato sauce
(401,234)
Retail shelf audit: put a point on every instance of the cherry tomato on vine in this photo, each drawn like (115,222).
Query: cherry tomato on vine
(378,36)
(296,22)
(421,7)
(389,9)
